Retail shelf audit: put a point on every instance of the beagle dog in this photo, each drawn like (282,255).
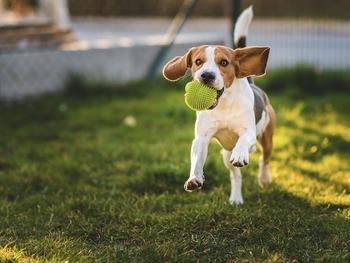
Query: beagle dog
(241,114)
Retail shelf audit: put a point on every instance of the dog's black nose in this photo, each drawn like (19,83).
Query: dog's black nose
(208,77)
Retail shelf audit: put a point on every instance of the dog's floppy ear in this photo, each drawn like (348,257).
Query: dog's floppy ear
(251,61)
(177,67)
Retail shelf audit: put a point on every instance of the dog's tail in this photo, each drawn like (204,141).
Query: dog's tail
(241,31)
(242,26)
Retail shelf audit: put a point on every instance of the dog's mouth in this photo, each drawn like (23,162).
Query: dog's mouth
(218,96)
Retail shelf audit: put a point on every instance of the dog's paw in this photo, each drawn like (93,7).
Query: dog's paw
(264,178)
(193,184)
(264,183)
(236,200)
(239,157)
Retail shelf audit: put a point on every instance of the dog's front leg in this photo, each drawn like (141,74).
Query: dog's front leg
(245,144)
(199,153)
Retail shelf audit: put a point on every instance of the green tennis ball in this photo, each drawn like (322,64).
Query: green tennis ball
(198,96)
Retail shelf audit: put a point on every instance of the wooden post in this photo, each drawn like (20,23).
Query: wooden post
(60,14)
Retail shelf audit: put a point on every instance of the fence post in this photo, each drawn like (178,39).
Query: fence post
(235,12)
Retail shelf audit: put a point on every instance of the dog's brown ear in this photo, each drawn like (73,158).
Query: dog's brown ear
(251,61)
(177,67)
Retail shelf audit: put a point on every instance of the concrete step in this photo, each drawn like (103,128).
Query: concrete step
(22,37)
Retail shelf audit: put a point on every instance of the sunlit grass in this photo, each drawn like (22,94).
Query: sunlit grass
(306,137)
(12,254)
(98,177)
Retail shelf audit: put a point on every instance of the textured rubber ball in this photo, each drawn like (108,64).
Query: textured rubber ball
(198,96)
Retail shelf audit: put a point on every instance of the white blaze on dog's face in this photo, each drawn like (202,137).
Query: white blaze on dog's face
(214,67)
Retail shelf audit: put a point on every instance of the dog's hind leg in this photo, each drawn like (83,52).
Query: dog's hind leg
(265,141)
(236,179)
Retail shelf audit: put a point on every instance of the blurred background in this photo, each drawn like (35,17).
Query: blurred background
(43,41)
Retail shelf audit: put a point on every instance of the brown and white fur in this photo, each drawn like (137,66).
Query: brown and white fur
(241,115)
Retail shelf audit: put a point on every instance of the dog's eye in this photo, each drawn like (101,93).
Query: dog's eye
(224,62)
(198,62)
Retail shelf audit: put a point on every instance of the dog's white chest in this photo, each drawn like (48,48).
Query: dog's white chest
(227,139)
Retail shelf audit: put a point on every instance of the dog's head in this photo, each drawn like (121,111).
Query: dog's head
(218,66)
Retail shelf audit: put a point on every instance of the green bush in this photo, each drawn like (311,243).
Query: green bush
(305,80)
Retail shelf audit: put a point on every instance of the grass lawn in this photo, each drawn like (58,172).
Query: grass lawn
(98,177)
